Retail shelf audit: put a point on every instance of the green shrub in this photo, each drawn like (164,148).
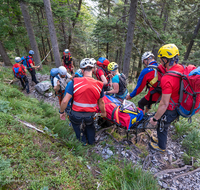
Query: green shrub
(5,171)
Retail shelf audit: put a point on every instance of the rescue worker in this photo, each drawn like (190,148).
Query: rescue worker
(60,82)
(101,73)
(22,74)
(67,61)
(118,82)
(31,66)
(170,85)
(84,104)
(149,77)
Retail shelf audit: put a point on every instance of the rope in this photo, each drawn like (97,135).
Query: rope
(45,57)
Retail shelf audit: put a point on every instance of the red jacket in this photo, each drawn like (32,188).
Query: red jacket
(86,94)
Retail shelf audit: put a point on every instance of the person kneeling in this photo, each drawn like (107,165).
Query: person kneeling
(118,82)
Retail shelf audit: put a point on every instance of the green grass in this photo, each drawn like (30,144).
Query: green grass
(54,160)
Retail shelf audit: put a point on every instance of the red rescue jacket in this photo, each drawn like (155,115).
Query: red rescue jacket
(86,94)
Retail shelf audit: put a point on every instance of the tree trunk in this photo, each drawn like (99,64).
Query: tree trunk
(129,39)
(31,35)
(64,34)
(192,41)
(116,57)
(74,23)
(4,55)
(107,50)
(122,37)
(140,61)
(48,41)
(52,32)
(155,51)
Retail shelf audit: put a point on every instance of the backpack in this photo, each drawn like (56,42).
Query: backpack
(103,63)
(24,61)
(159,72)
(122,83)
(54,73)
(189,100)
(18,70)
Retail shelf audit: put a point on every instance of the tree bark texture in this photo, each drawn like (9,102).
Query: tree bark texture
(52,32)
(30,31)
(4,55)
(129,38)
(192,40)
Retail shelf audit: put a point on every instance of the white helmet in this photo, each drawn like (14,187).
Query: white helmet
(86,63)
(147,55)
(66,51)
(17,59)
(93,60)
(62,70)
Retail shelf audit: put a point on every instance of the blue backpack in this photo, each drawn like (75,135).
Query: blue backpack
(24,61)
(54,73)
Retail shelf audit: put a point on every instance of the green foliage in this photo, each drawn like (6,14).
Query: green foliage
(192,143)
(4,106)
(5,171)
(127,177)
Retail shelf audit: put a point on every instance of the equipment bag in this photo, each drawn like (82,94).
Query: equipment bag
(54,73)
(189,100)
(18,70)
(24,61)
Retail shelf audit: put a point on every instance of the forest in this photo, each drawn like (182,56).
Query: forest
(119,30)
(38,150)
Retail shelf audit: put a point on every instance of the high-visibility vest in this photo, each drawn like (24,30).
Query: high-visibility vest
(86,94)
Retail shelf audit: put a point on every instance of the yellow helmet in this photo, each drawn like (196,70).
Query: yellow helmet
(168,51)
(112,66)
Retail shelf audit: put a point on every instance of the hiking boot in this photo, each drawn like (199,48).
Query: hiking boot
(154,139)
(155,146)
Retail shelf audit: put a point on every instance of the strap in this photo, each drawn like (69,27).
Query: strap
(117,115)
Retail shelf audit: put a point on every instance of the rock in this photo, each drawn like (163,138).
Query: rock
(160,183)
(43,86)
(164,185)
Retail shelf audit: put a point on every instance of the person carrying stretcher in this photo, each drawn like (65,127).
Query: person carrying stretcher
(149,77)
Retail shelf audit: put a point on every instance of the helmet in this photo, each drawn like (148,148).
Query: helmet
(66,51)
(93,60)
(86,63)
(146,55)
(31,52)
(17,59)
(62,70)
(112,66)
(168,51)
(79,73)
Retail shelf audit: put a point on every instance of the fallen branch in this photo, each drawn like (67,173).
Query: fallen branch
(112,137)
(172,170)
(29,125)
(147,162)
(99,132)
(188,173)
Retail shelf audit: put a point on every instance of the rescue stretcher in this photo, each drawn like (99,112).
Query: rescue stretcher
(125,115)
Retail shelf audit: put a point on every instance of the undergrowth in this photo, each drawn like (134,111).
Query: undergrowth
(55,159)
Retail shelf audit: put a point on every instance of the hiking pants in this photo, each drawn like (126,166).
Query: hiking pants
(33,73)
(88,133)
(144,102)
(25,84)
(162,136)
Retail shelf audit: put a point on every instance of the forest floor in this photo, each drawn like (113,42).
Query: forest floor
(173,169)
